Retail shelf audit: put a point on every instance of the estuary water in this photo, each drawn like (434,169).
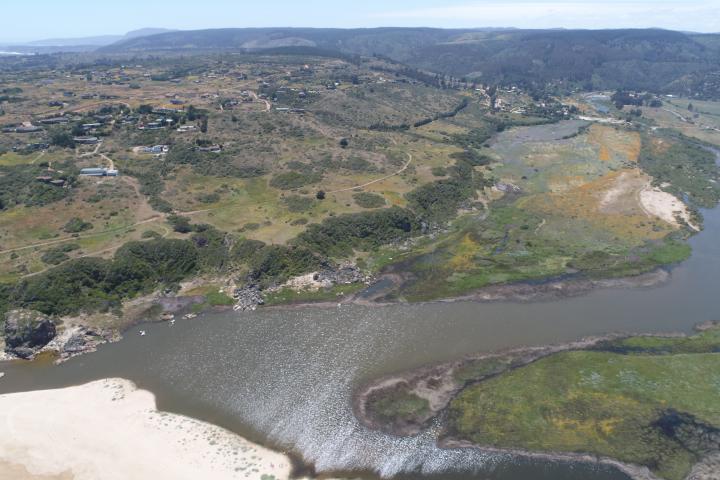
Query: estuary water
(285,377)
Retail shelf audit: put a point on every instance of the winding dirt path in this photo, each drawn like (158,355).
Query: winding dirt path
(268,105)
(404,167)
(42,154)
(89,235)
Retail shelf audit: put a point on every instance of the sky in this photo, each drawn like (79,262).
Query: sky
(42,19)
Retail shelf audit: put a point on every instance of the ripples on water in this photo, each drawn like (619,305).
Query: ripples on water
(299,394)
(290,375)
(286,377)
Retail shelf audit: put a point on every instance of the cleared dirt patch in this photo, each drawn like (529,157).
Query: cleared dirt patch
(665,206)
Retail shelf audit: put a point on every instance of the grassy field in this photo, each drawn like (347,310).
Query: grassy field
(116,212)
(703,122)
(648,406)
(302,139)
(574,206)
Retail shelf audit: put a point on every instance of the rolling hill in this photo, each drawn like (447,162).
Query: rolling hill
(653,59)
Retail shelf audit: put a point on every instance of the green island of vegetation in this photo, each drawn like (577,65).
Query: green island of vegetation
(648,401)
(643,400)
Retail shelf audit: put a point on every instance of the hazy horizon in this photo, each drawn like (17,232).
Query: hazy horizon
(46,19)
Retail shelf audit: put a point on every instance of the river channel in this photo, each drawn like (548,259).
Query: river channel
(285,377)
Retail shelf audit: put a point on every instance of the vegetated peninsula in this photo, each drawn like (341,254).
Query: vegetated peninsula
(139,185)
(644,404)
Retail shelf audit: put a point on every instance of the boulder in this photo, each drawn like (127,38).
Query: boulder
(26,332)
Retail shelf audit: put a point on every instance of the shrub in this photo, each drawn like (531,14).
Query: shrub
(292,180)
(439,171)
(359,164)
(438,201)
(77,225)
(298,203)
(369,200)
(472,157)
(150,234)
(212,246)
(179,223)
(276,263)
(57,255)
(209,197)
(244,250)
(338,236)
(62,138)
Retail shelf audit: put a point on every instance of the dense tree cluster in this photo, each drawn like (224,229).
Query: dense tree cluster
(339,236)
(91,284)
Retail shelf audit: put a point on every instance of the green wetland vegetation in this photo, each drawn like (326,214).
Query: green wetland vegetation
(649,401)
(642,400)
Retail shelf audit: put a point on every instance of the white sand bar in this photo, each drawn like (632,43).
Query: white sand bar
(109,429)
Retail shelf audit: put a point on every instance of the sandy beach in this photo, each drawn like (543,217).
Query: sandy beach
(109,429)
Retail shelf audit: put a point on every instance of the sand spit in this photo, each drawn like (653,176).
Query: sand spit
(109,429)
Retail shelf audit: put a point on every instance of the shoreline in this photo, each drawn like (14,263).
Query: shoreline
(523,291)
(111,429)
(549,290)
(635,472)
(439,377)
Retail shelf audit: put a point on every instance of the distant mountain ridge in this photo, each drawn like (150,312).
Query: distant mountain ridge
(629,58)
(82,43)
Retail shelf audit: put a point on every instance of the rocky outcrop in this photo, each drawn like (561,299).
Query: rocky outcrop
(27,332)
(248,297)
(344,274)
(75,340)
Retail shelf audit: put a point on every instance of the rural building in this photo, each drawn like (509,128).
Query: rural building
(54,120)
(83,140)
(156,149)
(98,172)
(28,129)
(210,148)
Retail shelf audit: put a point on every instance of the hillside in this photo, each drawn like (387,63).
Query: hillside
(276,177)
(658,60)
